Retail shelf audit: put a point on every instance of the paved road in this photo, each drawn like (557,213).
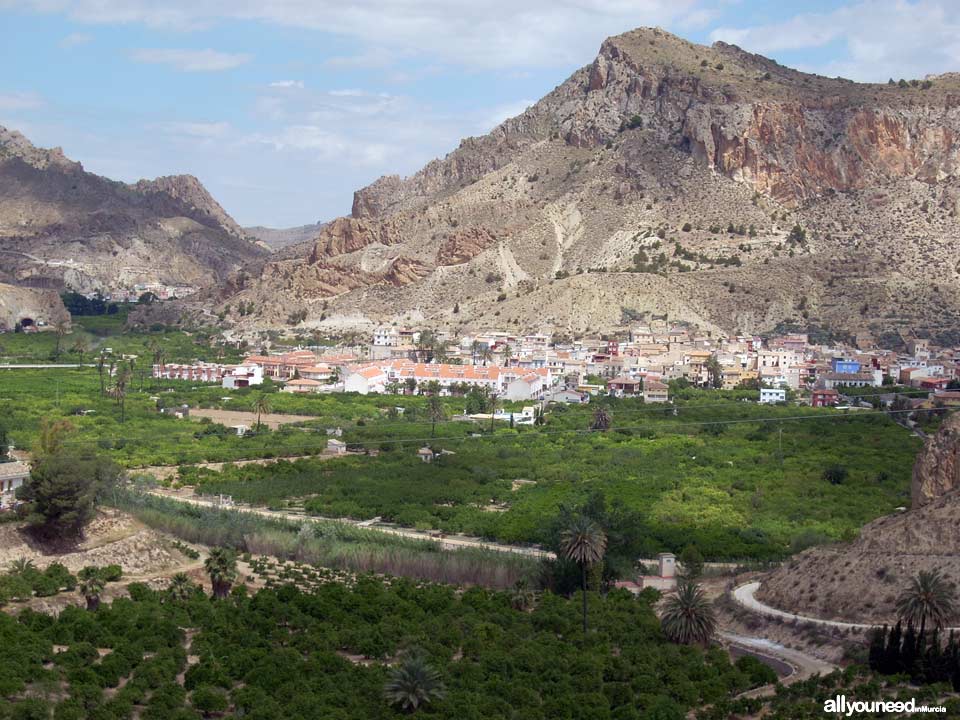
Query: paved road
(802,665)
(744,596)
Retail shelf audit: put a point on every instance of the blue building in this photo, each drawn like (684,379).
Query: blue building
(839,365)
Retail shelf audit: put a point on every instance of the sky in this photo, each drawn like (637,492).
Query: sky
(283,108)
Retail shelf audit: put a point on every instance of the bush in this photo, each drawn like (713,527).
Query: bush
(835,474)
(111,573)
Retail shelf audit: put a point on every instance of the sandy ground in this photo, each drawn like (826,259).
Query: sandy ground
(239,417)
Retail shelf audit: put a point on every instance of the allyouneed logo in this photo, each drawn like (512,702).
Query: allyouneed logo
(839,705)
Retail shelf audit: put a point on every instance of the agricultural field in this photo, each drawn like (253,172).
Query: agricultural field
(738,480)
(285,653)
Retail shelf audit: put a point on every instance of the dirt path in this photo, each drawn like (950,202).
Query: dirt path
(802,665)
(165,472)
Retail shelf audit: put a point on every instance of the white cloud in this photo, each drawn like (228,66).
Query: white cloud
(879,38)
(191,60)
(75,40)
(295,84)
(198,130)
(496,33)
(16,102)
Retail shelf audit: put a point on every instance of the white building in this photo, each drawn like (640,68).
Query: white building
(385,336)
(12,476)
(240,376)
(768,396)
(366,380)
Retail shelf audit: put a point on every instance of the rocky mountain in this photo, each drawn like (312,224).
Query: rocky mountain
(280,238)
(860,581)
(35,306)
(61,226)
(664,178)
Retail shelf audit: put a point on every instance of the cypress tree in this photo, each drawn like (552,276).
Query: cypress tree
(908,652)
(891,659)
(878,638)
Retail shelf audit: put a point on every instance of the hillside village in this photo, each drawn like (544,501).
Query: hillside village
(535,367)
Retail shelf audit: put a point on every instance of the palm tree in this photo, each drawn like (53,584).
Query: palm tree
(413,683)
(507,353)
(522,597)
(90,585)
(261,406)
(101,363)
(486,354)
(688,618)
(80,347)
(59,329)
(601,419)
(181,587)
(119,391)
(221,566)
(436,413)
(927,597)
(22,565)
(584,543)
(475,349)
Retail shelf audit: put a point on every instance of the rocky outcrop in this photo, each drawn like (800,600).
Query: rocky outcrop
(937,469)
(36,306)
(188,192)
(464,245)
(347,235)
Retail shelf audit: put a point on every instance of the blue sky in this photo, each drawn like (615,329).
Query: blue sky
(284,107)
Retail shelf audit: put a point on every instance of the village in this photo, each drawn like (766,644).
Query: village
(534,367)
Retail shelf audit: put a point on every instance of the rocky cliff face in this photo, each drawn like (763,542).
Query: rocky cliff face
(39,306)
(61,226)
(937,470)
(666,157)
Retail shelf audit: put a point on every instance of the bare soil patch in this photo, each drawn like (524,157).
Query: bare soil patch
(239,417)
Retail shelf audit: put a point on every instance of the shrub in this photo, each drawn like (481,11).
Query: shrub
(835,474)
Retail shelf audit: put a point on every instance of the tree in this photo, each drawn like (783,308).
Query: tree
(507,354)
(522,598)
(261,406)
(928,597)
(90,585)
(688,618)
(413,683)
(714,372)
(221,566)
(436,413)
(181,587)
(101,364)
(692,561)
(601,419)
(584,543)
(81,348)
(62,491)
(486,354)
(52,435)
(59,329)
(119,391)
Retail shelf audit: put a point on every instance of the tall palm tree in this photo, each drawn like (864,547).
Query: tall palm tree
(507,353)
(522,597)
(80,347)
(436,413)
(101,364)
(261,406)
(413,683)
(119,391)
(181,587)
(688,618)
(601,419)
(475,349)
(221,566)
(91,584)
(59,329)
(486,354)
(928,597)
(584,543)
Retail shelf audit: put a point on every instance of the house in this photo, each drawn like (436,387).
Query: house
(859,379)
(336,447)
(385,336)
(426,454)
(839,365)
(768,396)
(320,372)
(365,381)
(282,367)
(240,430)
(623,386)
(527,387)
(570,397)
(12,475)
(240,376)
(302,385)
(198,372)
(655,391)
(824,397)
(666,577)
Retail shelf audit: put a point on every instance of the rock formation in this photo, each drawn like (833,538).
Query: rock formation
(937,469)
(662,158)
(36,306)
(61,226)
